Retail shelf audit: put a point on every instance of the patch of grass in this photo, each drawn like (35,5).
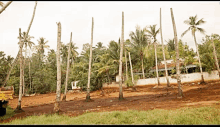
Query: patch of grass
(202,115)
(9,113)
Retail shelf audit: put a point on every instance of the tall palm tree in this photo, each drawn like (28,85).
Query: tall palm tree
(67,69)
(90,62)
(214,53)
(27,42)
(120,60)
(20,53)
(193,26)
(42,44)
(139,41)
(58,95)
(180,92)
(164,58)
(153,33)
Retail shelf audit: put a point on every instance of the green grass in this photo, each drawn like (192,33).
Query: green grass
(202,115)
(9,113)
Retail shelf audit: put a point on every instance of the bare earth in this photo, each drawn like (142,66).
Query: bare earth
(145,98)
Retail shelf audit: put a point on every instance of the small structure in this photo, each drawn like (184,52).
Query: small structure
(74,87)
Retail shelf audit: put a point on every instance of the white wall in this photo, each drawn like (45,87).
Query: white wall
(184,78)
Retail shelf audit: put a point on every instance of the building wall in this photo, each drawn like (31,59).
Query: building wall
(184,78)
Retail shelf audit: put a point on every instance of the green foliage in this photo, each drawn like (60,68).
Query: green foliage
(186,116)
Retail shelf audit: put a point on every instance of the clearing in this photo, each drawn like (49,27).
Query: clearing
(145,98)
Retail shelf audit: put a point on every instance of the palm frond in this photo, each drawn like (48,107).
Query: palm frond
(185,32)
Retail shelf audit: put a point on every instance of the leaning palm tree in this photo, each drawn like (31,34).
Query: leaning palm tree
(164,58)
(20,53)
(90,62)
(180,92)
(139,41)
(58,95)
(193,26)
(4,6)
(67,69)
(153,33)
(120,60)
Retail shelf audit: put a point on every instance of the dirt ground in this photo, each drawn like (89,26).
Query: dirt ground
(144,98)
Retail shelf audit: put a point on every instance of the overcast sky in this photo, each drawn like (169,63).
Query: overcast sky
(76,17)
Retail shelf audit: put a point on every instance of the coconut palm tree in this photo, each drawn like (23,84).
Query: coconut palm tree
(164,58)
(67,69)
(58,95)
(180,92)
(139,41)
(20,53)
(41,46)
(193,26)
(90,62)
(120,60)
(153,33)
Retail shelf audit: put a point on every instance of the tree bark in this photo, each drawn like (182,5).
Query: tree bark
(90,62)
(21,77)
(215,56)
(132,76)
(22,43)
(164,58)
(67,70)
(5,6)
(155,50)
(30,73)
(180,92)
(58,94)
(200,65)
(142,66)
(126,64)
(120,61)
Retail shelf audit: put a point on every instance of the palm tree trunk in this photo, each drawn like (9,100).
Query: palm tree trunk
(90,62)
(126,64)
(142,66)
(200,65)
(164,58)
(132,76)
(22,43)
(120,61)
(58,94)
(5,6)
(180,92)
(30,72)
(67,70)
(23,70)
(155,50)
(216,60)
(21,76)
(20,52)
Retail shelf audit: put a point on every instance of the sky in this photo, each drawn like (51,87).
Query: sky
(76,17)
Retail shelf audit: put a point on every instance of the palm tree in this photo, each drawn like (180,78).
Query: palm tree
(139,41)
(193,26)
(120,60)
(58,95)
(27,42)
(67,69)
(180,92)
(214,53)
(90,62)
(41,46)
(4,6)
(164,58)
(20,53)
(153,33)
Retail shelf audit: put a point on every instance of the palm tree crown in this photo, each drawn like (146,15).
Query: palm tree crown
(193,25)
